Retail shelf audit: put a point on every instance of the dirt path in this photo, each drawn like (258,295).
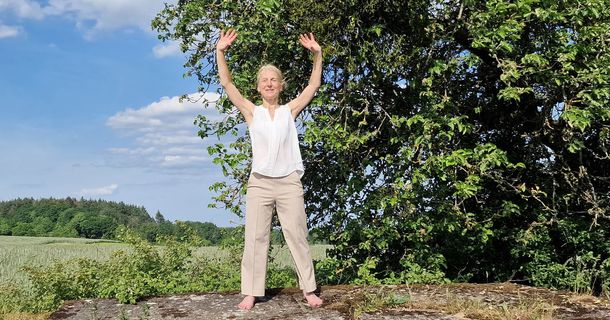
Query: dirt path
(446,302)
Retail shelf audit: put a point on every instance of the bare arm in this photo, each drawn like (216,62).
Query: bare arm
(245,106)
(298,104)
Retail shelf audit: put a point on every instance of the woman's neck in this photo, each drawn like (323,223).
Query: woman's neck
(270,104)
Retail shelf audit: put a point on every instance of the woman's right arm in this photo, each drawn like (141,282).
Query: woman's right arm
(245,106)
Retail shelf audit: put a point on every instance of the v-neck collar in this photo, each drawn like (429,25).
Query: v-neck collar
(268,112)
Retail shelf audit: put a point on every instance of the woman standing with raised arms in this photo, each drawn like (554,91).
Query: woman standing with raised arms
(276,174)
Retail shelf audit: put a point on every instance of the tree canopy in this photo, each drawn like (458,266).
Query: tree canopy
(462,140)
(96,219)
(68,217)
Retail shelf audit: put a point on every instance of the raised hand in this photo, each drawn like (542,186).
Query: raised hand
(225,40)
(309,42)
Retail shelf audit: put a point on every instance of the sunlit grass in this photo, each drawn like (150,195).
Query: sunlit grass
(25,316)
(18,252)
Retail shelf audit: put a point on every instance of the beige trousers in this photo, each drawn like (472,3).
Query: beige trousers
(286,194)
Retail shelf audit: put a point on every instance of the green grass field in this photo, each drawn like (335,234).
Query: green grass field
(18,252)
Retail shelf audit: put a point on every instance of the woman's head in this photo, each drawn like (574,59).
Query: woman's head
(270,82)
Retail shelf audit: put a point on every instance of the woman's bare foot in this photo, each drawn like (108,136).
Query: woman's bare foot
(247,303)
(312,299)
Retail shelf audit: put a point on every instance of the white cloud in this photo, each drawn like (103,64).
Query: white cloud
(91,16)
(8,31)
(101,191)
(165,50)
(184,150)
(136,151)
(23,8)
(181,161)
(163,133)
(174,138)
(165,113)
(108,14)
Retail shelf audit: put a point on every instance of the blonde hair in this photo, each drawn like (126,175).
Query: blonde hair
(273,68)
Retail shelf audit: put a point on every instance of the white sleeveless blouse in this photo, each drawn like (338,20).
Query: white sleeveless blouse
(275,143)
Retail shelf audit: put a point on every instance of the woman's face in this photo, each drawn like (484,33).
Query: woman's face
(269,85)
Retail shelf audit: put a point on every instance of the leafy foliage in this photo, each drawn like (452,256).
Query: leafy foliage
(141,271)
(68,217)
(464,140)
(95,219)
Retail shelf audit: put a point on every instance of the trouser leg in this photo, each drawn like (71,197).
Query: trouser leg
(291,213)
(259,208)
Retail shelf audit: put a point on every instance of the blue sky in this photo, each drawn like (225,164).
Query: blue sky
(89,104)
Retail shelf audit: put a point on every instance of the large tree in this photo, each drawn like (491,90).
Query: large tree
(459,140)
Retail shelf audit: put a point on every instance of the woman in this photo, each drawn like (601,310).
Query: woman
(277,169)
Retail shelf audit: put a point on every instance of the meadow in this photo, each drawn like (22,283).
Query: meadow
(18,252)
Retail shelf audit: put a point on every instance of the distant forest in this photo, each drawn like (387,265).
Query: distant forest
(94,219)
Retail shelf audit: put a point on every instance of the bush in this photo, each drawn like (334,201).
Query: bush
(15,299)
(142,270)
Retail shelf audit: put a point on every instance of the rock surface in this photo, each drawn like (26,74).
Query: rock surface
(419,302)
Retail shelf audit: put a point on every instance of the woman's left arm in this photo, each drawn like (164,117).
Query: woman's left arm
(299,103)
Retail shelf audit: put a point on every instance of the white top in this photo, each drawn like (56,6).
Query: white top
(275,143)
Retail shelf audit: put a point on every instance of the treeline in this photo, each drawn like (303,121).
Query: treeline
(99,219)
(68,217)
(94,219)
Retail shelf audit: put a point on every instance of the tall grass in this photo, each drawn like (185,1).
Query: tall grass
(56,260)
(19,252)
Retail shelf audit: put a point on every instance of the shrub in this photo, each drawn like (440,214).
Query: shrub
(140,271)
